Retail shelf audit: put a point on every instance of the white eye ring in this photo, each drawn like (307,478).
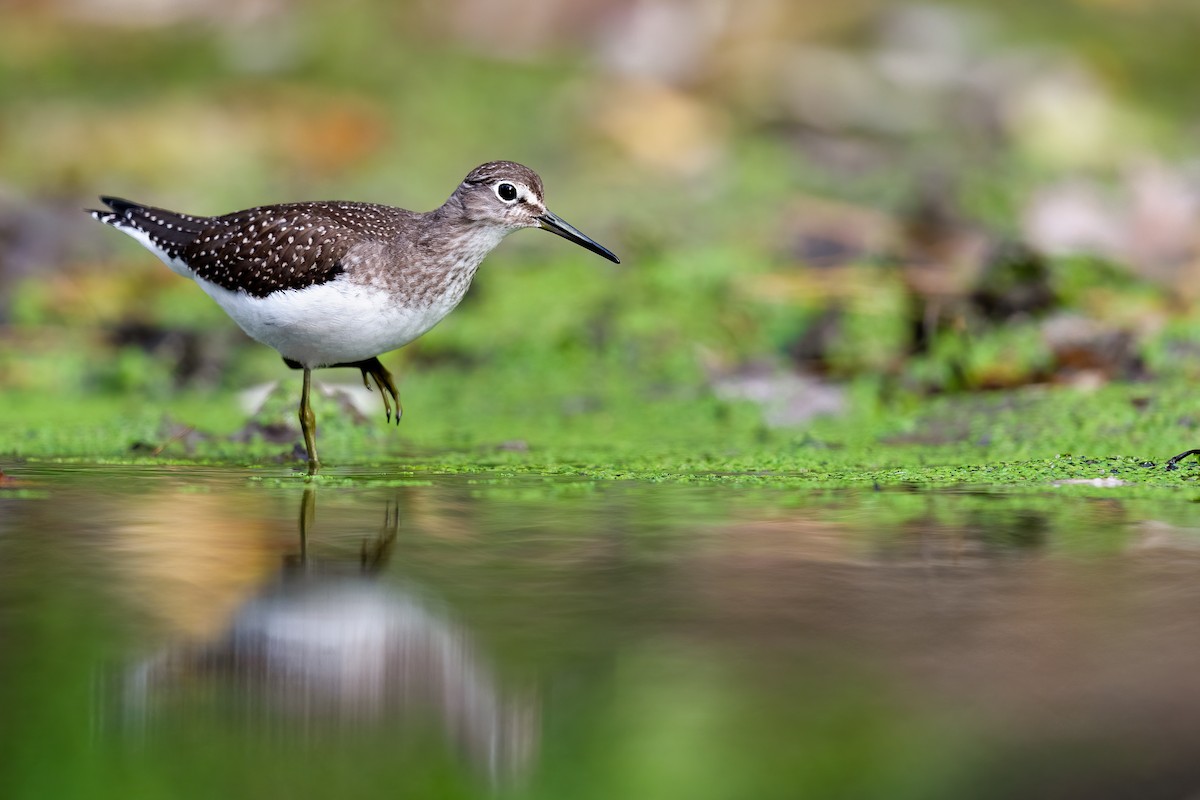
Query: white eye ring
(507,192)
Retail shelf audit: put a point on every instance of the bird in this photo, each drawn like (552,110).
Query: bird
(337,284)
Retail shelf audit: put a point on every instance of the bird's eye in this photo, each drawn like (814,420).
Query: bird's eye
(506,192)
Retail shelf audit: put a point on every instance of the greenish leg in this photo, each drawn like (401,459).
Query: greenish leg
(370,368)
(308,424)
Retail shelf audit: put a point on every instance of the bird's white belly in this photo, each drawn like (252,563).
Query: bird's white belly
(330,323)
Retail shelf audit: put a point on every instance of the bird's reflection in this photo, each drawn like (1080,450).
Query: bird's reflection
(331,644)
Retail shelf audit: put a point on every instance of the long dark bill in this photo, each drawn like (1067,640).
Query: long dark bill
(553,223)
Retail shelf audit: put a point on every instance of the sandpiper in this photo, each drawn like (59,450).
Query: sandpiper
(336,284)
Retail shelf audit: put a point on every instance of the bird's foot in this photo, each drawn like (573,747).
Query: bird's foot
(387,387)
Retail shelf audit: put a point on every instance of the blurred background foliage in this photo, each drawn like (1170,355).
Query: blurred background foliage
(906,198)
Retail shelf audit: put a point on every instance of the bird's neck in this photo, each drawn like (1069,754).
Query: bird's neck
(454,241)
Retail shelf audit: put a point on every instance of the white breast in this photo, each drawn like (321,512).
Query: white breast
(331,323)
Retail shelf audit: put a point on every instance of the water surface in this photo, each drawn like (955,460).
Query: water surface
(188,632)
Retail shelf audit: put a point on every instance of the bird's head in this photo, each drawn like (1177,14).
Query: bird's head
(510,195)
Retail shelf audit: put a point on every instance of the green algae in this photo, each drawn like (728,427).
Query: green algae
(494,425)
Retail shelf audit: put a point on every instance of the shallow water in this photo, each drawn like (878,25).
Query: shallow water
(189,632)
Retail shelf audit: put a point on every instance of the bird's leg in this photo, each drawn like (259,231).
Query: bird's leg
(308,424)
(370,368)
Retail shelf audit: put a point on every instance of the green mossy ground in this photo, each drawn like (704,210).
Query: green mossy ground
(506,423)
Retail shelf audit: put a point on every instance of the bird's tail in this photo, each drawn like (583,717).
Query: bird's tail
(167,234)
(165,228)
